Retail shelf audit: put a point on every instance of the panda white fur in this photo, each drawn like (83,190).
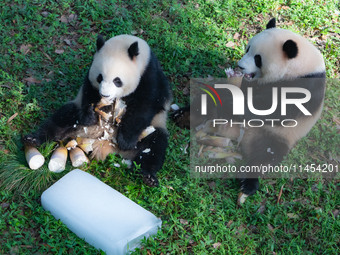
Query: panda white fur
(274,58)
(123,69)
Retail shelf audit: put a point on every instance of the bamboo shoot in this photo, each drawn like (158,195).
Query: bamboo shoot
(78,157)
(34,158)
(58,160)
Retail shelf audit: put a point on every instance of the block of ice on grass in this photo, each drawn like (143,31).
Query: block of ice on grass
(99,214)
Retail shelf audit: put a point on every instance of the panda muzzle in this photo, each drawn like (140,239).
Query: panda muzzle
(105,96)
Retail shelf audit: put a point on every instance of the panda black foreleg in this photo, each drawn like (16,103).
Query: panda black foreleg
(151,155)
(266,149)
(61,124)
(134,121)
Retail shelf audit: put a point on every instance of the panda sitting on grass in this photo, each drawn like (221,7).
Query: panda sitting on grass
(124,77)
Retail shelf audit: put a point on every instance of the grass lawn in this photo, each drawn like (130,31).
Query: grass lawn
(46,49)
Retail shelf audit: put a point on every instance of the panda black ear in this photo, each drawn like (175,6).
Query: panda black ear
(133,50)
(100,42)
(290,48)
(271,23)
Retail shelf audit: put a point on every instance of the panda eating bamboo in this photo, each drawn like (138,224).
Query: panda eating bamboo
(275,58)
(122,106)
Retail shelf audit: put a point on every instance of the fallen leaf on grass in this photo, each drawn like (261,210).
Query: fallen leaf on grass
(25,48)
(4,205)
(5,86)
(59,51)
(67,41)
(47,80)
(334,157)
(32,80)
(230,45)
(240,230)
(270,227)
(283,7)
(72,17)
(14,250)
(236,36)
(136,32)
(68,19)
(272,183)
(280,194)
(45,13)
(261,209)
(318,210)
(47,56)
(63,19)
(216,245)
(183,221)
(335,213)
(229,223)
(169,187)
(12,117)
(292,216)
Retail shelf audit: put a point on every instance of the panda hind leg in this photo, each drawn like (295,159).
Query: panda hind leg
(57,127)
(249,186)
(151,154)
(263,149)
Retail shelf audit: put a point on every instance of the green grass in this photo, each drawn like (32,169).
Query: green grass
(46,49)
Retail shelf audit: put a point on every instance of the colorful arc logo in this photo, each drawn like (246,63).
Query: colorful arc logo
(214,91)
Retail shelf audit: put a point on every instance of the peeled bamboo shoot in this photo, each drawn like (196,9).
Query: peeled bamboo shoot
(71,144)
(215,141)
(149,130)
(78,157)
(34,158)
(58,160)
(85,144)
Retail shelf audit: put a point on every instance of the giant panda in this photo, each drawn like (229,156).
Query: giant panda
(279,58)
(124,70)
(274,58)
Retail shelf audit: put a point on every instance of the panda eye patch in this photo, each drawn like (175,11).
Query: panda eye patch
(258,61)
(99,78)
(117,81)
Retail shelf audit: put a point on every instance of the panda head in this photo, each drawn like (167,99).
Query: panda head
(118,65)
(279,54)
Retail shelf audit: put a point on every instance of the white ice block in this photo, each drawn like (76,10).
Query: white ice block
(96,212)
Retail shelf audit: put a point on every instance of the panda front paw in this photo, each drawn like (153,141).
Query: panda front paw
(181,117)
(89,116)
(126,141)
(31,140)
